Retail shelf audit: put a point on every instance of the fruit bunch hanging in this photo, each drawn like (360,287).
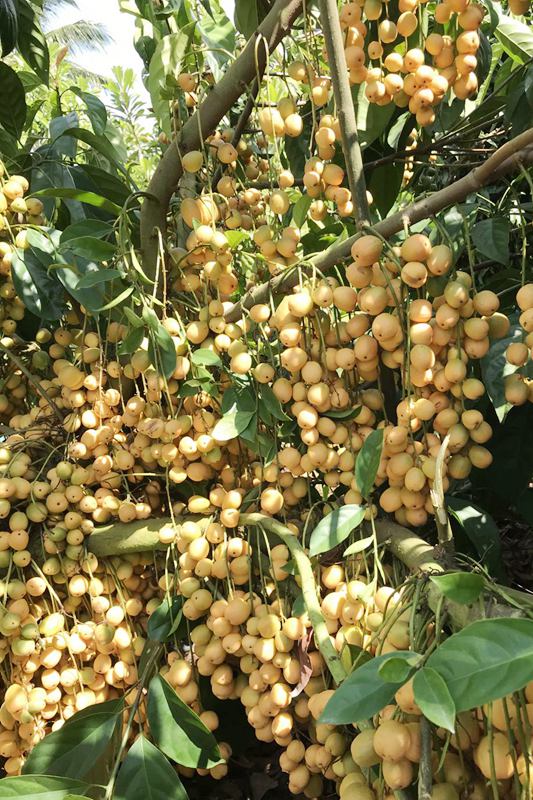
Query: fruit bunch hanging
(171,459)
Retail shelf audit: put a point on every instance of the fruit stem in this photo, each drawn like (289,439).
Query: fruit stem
(329,18)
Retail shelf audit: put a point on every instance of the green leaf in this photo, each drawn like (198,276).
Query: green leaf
(372,120)
(177,730)
(461,587)
(92,248)
(434,699)
(96,110)
(95,228)
(146,774)
(385,184)
(358,546)
(205,358)
(218,34)
(516,38)
(491,238)
(94,278)
(116,301)
(335,528)
(31,41)
(363,693)
(39,787)
(72,750)
(300,209)
(485,661)
(367,462)
(165,620)
(166,61)
(231,425)
(90,198)
(398,670)
(8,26)
(39,290)
(495,368)
(132,341)
(100,143)
(162,351)
(346,413)
(13,105)
(248,15)
(272,404)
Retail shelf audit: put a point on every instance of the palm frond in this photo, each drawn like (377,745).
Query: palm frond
(81,36)
(52,8)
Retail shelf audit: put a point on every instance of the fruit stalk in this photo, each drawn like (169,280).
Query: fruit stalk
(329,16)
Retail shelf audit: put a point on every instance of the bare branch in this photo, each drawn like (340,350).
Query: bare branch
(329,17)
(507,158)
(224,94)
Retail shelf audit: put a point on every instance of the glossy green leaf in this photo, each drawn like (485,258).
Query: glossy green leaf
(248,15)
(358,546)
(13,105)
(218,34)
(39,787)
(177,730)
(146,774)
(461,587)
(495,368)
(162,351)
(96,110)
(300,210)
(95,278)
(72,750)
(231,425)
(363,693)
(31,41)
(165,620)
(205,358)
(8,26)
(367,462)
(166,61)
(491,238)
(335,528)
(40,290)
(92,248)
(434,699)
(116,301)
(132,341)
(345,413)
(516,38)
(94,228)
(398,670)
(485,661)
(90,198)
(372,120)
(271,402)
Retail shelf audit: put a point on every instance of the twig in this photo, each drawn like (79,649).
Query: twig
(329,17)
(425,772)
(508,157)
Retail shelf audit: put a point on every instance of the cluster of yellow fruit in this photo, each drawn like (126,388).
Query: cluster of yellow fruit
(15,211)
(400,74)
(518,387)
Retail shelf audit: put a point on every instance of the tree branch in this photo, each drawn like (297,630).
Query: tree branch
(329,17)
(203,122)
(506,159)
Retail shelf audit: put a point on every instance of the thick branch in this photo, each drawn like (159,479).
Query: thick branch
(507,158)
(227,91)
(329,17)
